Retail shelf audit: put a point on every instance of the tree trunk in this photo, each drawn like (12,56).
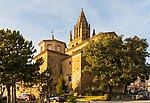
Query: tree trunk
(1,95)
(13,92)
(0,98)
(125,88)
(110,89)
(8,94)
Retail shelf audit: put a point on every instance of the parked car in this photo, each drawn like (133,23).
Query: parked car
(54,98)
(142,95)
(26,97)
(57,98)
(4,99)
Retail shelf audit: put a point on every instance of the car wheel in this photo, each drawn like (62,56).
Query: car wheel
(54,100)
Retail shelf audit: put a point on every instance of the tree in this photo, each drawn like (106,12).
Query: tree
(16,55)
(135,65)
(45,82)
(113,61)
(61,87)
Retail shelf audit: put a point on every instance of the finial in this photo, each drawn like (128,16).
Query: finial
(52,31)
(70,32)
(70,36)
(81,9)
(93,32)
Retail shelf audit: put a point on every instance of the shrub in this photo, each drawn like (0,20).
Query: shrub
(71,99)
(107,96)
(88,94)
(61,87)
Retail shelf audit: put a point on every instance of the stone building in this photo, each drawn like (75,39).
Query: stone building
(68,61)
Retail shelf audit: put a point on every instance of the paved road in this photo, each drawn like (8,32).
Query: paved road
(139,101)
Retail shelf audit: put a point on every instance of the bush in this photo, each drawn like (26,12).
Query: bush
(71,99)
(120,96)
(88,94)
(107,96)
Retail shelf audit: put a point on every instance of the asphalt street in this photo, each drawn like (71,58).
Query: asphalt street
(139,101)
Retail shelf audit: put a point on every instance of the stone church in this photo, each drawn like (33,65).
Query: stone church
(67,60)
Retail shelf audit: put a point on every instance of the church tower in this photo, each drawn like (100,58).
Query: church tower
(82,28)
(81,31)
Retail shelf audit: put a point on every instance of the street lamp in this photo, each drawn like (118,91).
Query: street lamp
(47,74)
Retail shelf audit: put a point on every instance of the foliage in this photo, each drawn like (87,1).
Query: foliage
(16,58)
(135,54)
(120,96)
(107,96)
(71,99)
(104,60)
(113,61)
(88,93)
(43,79)
(61,87)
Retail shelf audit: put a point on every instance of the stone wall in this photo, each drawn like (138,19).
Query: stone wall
(44,55)
(76,73)
(67,71)
(54,62)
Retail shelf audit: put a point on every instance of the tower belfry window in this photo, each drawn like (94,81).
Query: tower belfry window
(69,78)
(49,47)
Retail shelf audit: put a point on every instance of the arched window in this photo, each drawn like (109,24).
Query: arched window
(59,48)
(69,78)
(49,47)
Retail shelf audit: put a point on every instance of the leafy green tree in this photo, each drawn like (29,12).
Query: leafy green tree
(104,57)
(114,61)
(16,55)
(135,65)
(61,87)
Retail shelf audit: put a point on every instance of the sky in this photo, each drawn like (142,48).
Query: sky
(35,19)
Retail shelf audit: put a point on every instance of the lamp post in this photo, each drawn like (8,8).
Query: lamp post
(47,74)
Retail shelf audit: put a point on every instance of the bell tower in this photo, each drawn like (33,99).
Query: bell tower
(81,31)
(82,28)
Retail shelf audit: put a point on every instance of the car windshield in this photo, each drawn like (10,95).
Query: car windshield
(143,92)
(53,95)
(25,94)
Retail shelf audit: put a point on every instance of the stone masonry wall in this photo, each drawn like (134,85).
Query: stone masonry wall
(67,71)
(76,73)
(54,62)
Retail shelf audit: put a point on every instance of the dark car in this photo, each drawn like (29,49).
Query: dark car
(57,98)
(142,95)
(54,98)
(26,97)
(4,99)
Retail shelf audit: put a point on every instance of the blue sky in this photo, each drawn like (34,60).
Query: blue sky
(35,19)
